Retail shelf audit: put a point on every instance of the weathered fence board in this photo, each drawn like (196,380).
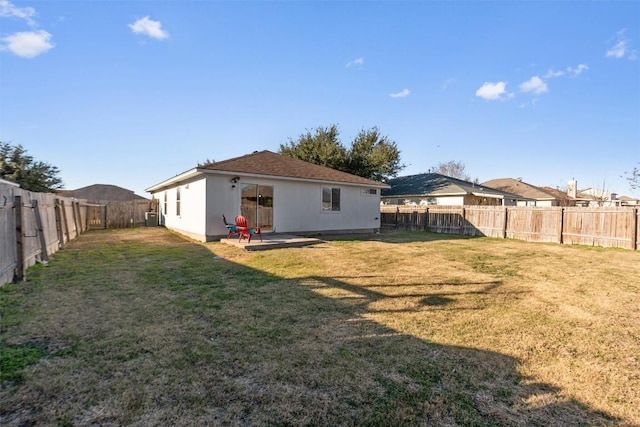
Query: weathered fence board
(608,227)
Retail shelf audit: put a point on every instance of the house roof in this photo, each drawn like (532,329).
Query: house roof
(435,184)
(102,192)
(520,188)
(267,163)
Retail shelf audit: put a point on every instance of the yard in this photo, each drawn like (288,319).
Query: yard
(141,327)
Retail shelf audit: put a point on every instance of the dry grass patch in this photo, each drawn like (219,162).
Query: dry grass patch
(142,327)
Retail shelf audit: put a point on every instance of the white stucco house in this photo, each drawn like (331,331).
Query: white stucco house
(279,194)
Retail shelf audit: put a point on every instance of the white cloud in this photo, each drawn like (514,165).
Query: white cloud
(358,62)
(448,83)
(581,68)
(8,10)
(149,27)
(622,48)
(493,91)
(27,44)
(551,73)
(535,84)
(402,94)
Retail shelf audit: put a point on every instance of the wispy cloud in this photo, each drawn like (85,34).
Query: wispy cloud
(535,85)
(621,48)
(9,10)
(402,94)
(493,91)
(27,44)
(448,83)
(358,62)
(553,73)
(149,27)
(581,68)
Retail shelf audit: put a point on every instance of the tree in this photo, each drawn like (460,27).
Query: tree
(321,148)
(371,155)
(452,168)
(17,166)
(633,178)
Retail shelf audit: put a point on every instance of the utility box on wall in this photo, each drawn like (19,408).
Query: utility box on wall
(151,219)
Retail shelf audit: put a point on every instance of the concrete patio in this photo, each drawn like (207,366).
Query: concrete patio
(271,241)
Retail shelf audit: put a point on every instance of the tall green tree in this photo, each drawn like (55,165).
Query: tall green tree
(321,147)
(17,166)
(370,155)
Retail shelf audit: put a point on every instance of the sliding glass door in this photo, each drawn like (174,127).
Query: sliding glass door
(257,205)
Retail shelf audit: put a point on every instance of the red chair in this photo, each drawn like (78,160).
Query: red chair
(245,231)
(231,228)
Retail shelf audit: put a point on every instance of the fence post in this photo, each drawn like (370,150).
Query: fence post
(634,231)
(505,223)
(75,218)
(397,210)
(464,220)
(59,225)
(561,237)
(65,224)
(43,244)
(19,271)
(427,222)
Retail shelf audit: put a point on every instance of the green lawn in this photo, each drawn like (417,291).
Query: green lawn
(143,327)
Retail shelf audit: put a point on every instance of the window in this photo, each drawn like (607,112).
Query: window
(165,203)
(370,192)
(178,201)
(330,199)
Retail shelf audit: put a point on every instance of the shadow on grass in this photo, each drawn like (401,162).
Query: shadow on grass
(160,331)
(398,236)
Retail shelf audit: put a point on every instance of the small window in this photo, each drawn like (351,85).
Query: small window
(178,201)
(370,192)
(330,199)
(164,210)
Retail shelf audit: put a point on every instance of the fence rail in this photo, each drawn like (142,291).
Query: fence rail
(36,225)
(609,227)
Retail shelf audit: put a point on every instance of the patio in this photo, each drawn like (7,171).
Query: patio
(271,241)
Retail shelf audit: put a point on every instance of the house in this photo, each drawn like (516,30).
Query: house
(592,196)
(274,192)
(436,189)
(101,193)
(535,196)
(628,201)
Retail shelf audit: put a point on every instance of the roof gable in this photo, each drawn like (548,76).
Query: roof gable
(520,188)
(102,192)
(435,184)
(271,164)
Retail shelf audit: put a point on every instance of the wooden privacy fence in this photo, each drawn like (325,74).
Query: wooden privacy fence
(609,227)
(130,213)
(34,226)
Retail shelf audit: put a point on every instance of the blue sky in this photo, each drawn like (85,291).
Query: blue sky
(133,92)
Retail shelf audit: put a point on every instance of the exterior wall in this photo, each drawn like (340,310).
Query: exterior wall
(191,220)
(297,206)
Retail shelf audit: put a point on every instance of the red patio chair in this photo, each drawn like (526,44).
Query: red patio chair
(231,228)
(244,231)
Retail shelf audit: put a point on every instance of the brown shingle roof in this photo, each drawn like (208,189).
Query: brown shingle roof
(272,164)
(102,193)
(520,188)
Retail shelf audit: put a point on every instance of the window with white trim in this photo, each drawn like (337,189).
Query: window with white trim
(178,201)
(370,192)
(330,199)
(165,211)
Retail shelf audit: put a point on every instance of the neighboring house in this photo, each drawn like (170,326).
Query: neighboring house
(628,201)
(436,189)
(274,192)
(101,193)
(598,197)
(535,196)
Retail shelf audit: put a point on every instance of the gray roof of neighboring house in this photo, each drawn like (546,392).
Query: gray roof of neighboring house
(435,184)
(267,163)
(520,188)
(102,192)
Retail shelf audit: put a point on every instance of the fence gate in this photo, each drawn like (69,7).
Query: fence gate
(96,216)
